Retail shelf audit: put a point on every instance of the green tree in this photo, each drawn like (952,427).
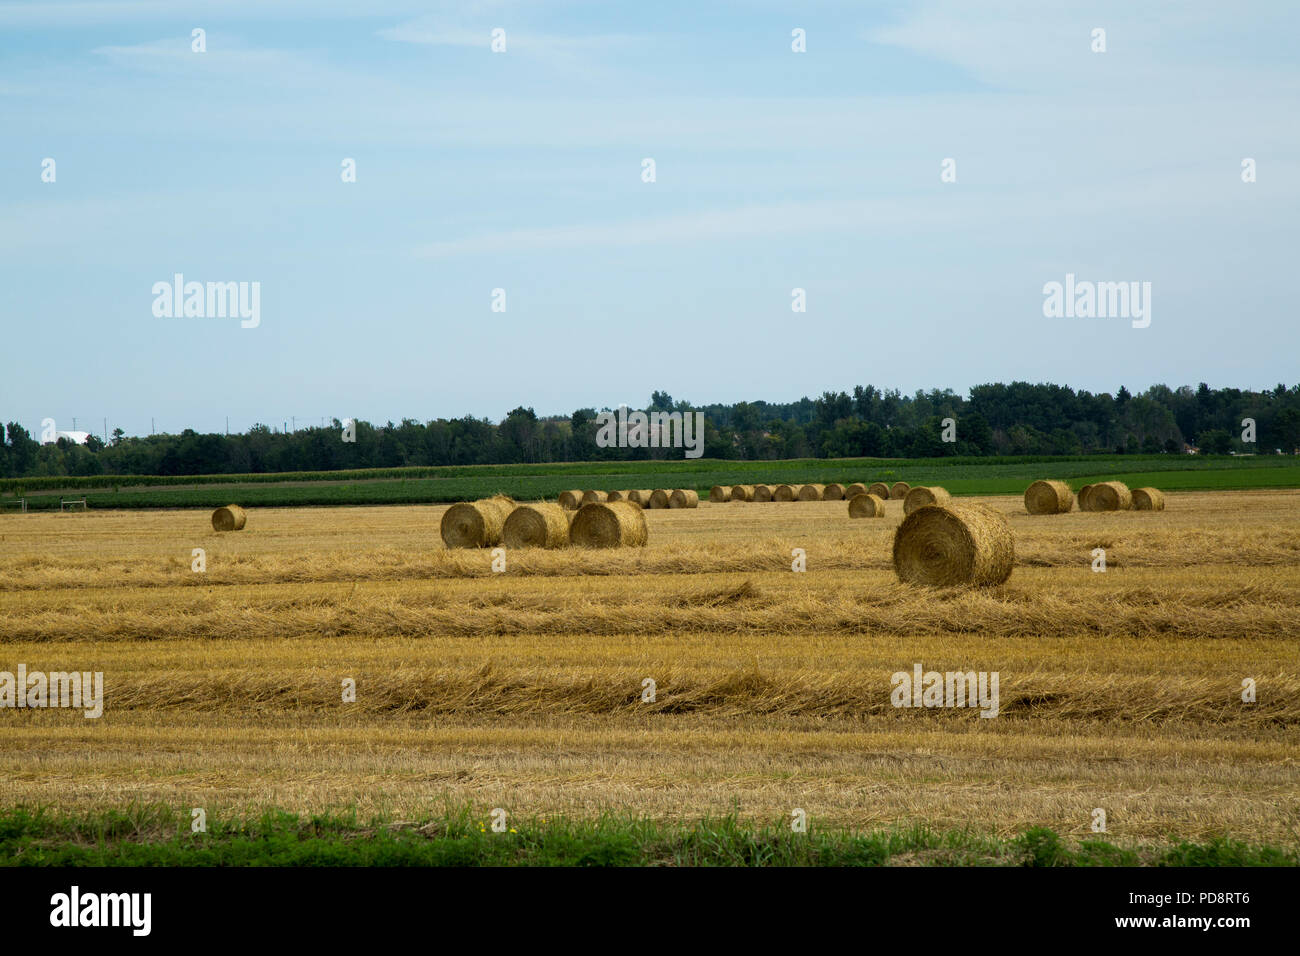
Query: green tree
(974,433)
(1287,427)
(1214,441)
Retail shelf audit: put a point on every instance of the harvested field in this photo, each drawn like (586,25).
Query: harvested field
(522,689)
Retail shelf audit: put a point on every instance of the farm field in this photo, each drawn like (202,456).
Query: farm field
(425,485)
(522,690)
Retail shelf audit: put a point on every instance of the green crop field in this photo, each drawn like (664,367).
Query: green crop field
(961,476)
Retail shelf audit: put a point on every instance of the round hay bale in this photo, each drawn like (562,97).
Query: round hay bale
(571,500)
(880,490)
(640,496)
(857,488)
(785,492)
(591,494)
(618,524)
(946,545)
(684,498)
(812,492)
(1048,497)
(866,506)
(229,518)
(1148,499)
(541,525)
(899,489)
(720,493)
(920,496)
(475,524)
(616,496)
(833,492)
(762,492)
(659,498)
(1082,498)
(1110,496)
(742,493)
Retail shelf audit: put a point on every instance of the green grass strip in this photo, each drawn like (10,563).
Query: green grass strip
(156,835)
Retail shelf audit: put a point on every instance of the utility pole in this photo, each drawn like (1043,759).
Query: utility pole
(151,426)
(105,431)
(74,423)
(227,426)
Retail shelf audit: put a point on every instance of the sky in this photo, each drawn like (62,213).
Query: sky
(522,171)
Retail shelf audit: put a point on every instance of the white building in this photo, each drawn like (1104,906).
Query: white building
(79,437)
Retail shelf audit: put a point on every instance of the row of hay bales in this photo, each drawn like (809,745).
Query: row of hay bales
(543,524)
(871,504)
(811,492)
(1051,497)
(645,497)
(939,543)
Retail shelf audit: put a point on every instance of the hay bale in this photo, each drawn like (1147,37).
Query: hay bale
(1148,499)
(762,492)
(833,492)
(659,497)
(591,494)
(921,495)
(475,524)
(541,525)
(616,496)
(720,493)
(742,493)
(1082,498)
(812,492)
(572,500)
(229,518)
(640,496)
(857,488)
(880,490)
(785,492)
(1110,496)
(684,498)
(899,489)
(945,545)
(618,524)
(866,506)
(1048,497)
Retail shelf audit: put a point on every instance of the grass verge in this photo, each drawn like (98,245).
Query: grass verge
(156,835)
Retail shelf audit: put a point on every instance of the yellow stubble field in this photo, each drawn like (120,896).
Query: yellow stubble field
(223,689)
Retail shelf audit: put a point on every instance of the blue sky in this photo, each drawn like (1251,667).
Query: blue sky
(522,170)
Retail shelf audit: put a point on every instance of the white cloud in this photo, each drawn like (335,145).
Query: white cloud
(430,31)
(766,220)
(78,14)
(1152,50)
(1142,201)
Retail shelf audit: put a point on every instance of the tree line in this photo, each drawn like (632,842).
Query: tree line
(995,419)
